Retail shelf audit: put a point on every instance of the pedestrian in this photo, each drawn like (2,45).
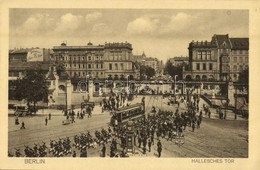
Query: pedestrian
(209,113)
(139,141)
(23,125)
(49,116)
(78,115)
(159,148)
(149,145)
(193,126)
(169,135)
(74,154)
(72,119)
(17,121)
(46,121)
(198,123)
(103,150)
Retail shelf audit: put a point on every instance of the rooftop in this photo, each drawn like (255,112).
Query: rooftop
(239,43)
(222,41)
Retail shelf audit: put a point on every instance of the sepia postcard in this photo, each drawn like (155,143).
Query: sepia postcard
(129,84)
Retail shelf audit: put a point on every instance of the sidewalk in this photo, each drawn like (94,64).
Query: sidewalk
(229,114)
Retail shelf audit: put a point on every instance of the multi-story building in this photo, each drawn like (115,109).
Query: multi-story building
(238,56)
(222,58)
(109,61)
(147,61)
(80,61)
(118,61)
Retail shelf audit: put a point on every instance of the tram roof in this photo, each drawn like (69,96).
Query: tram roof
(129,107)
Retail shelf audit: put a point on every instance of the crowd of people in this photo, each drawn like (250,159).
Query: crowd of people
(149,131)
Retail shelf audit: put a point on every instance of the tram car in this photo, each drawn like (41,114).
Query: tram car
(123,115)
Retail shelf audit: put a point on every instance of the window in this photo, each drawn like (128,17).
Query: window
(116,66)
(240,51)
(198,66)
(89,65)
(246,59)
(110,66)
(199,53)
(101,65)
(204,66)
(240,59)
(235,59)
(79,65)
(75,66)
(122,66)
(235,68)
(203,55)
(208,55)
(74,58)
(210,66)
(83,58)
(83,65)
(96,65)
(240,68)
(70,65)
(89,57)
(96,57)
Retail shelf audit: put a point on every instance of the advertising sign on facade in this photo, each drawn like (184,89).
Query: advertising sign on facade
(35,55)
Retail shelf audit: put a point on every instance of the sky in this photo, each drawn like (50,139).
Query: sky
(161,33)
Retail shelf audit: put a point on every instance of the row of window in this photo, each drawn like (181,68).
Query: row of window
(13,73)
(240,67)
(89,66)
(111,57)
(235,59)
(204,55)
(239,51)
(83,74)
(70,58)
(204,66)
(116,66)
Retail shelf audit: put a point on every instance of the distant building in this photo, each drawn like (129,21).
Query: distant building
(222,58)
(178,61)
(30,55)
(147,61)
(17,69)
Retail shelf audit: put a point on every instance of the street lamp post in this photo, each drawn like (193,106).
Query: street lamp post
(66,98)
(175,83)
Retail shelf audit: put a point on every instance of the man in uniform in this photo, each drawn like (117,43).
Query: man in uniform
(49,116)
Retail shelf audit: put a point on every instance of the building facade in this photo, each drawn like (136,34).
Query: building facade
(109,61)
(30,55)
(148,61)
(222,58)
